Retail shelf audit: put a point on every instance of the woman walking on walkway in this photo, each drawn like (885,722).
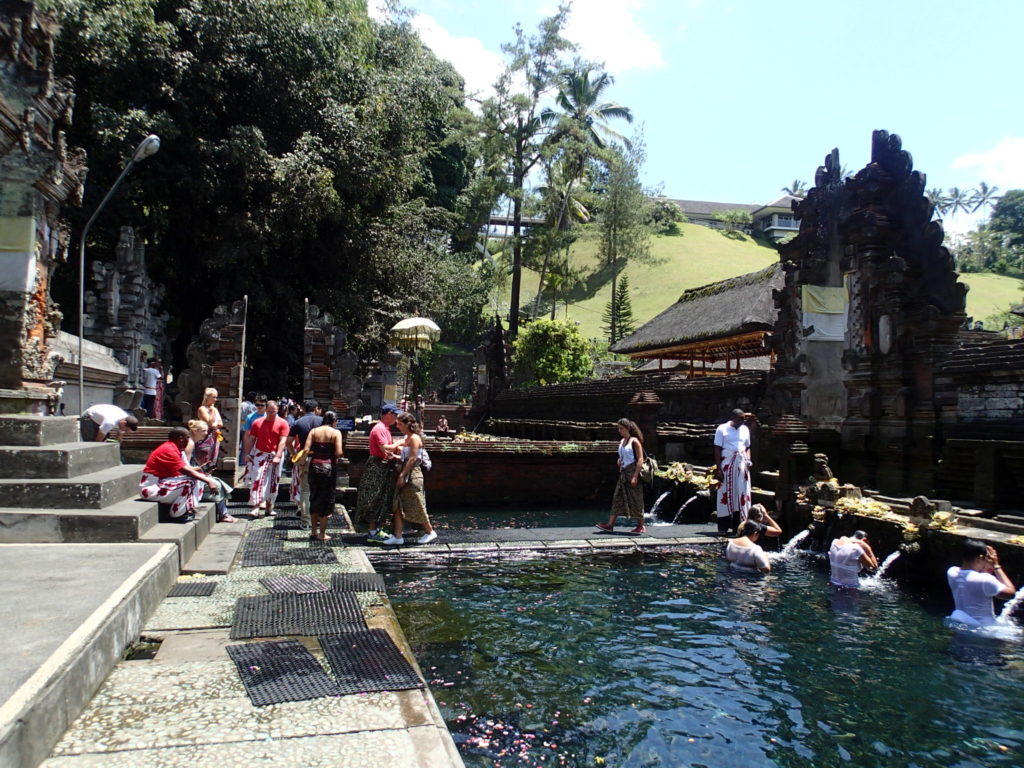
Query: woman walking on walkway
(410,504)
(323,449)
(629,493)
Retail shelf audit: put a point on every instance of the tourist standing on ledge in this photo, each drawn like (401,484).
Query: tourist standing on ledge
(168,479)
(377,485)
(979,578)
(745,553)
(307,422)
(101,419)
(209,413)
(732,469)
(151,376)
(628,498)
(323,448)
(410,504)
(265,441)
(846,556)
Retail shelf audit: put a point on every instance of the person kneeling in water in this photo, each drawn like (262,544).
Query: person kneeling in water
(847,555)
(979,578)
(744,552)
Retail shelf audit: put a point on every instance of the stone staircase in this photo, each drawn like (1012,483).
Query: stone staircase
(56,489)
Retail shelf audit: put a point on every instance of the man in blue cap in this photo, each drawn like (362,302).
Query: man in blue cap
(377,484)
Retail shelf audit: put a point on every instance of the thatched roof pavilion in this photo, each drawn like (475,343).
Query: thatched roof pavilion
(730,321)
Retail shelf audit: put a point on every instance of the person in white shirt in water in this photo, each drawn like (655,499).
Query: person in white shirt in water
(846,556)
(975,582)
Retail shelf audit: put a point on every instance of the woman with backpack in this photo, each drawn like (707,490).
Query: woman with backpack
(629,492)
(410,504)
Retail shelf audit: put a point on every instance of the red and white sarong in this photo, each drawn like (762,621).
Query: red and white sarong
(181,492)
(265,475)
(734,495)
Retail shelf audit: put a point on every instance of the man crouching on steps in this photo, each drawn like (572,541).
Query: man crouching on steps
(168,479)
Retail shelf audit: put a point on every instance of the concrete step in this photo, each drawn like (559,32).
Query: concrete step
(27,429)
(120,522)
(94,490)
(217,553)
(187,537)
(61,460)
(70,610)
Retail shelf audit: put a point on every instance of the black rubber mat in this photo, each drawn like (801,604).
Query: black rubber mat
(357,582)
(292,523)
(280,671)
(319,613)
(368,661)
(294,584)
(269,557)
(192,589)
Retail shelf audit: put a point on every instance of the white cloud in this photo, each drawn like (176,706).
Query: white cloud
(1001,166)
(479,66)
(607,31)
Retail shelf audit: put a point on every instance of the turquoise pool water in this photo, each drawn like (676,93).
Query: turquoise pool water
(673,660)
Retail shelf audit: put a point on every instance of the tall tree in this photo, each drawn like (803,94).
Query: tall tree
(959,201)
(581,132)
(625,234)
(617,320)
(796,188)
(511,122)
(984,197)
(1008,216)
(939,200)
(307,151)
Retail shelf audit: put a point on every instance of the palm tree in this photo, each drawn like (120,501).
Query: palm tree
(984,197)
(959,200)
(937,197)
(796,189)
(581,131)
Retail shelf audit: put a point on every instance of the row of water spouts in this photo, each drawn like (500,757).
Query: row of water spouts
(873,581)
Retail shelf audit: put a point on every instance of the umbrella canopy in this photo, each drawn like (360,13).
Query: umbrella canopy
(415,333)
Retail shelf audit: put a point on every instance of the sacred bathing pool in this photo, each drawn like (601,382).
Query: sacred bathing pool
(521,636)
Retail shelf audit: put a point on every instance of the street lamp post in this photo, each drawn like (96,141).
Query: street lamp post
(149,147)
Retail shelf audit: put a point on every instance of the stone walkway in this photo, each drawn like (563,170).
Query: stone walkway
(187,706)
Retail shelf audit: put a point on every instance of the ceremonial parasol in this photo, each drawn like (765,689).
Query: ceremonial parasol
(415,333)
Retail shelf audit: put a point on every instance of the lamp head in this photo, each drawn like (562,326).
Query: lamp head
(149,147)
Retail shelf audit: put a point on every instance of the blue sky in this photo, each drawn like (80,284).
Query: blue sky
(737,99)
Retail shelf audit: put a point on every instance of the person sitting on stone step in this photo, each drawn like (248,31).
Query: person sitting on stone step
(168,479)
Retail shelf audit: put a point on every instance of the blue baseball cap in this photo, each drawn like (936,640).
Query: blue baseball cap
(389,408)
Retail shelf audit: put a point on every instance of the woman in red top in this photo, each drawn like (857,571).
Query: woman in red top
(168,479)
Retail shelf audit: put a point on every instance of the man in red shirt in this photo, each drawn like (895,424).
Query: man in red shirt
(168,479)
(265,443)
(377,484)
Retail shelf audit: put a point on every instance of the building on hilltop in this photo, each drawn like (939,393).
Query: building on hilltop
(775,220)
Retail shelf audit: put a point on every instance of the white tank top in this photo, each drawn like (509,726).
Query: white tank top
(626,454)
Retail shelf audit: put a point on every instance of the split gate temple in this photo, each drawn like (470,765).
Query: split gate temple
(852,345)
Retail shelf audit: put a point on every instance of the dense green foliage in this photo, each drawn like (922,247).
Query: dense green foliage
(307,152)
(551,351)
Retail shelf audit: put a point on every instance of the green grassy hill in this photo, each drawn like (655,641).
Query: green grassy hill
(991,295)
(701,255)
